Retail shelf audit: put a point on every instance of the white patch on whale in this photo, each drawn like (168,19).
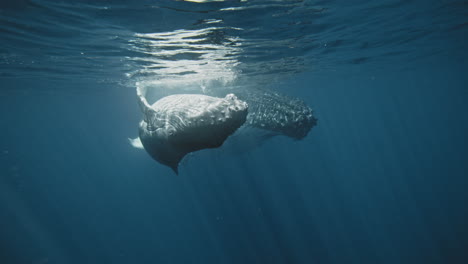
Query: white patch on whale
(136,143)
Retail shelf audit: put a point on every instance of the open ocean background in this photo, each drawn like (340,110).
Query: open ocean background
(382,178)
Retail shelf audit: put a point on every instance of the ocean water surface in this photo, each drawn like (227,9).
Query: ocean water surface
(381,178)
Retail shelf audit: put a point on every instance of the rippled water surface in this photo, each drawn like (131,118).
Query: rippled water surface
(203,41)
(380,178)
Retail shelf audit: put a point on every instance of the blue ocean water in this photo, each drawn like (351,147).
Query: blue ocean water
(382,178)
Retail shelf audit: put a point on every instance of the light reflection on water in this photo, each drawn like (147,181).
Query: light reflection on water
(186,57)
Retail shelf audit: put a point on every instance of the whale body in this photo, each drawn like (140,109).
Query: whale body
(179,124)
(182,123)
(277,114)
(273,114)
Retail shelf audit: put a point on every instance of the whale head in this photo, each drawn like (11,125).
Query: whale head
(179,124)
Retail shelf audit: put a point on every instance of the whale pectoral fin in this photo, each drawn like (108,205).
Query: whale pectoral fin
(136,143)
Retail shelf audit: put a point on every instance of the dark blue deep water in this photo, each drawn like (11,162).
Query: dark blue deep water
(382,178)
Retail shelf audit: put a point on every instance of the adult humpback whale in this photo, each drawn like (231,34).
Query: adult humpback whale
(179,124)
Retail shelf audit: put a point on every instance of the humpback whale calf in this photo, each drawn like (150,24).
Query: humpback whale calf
(179,124)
